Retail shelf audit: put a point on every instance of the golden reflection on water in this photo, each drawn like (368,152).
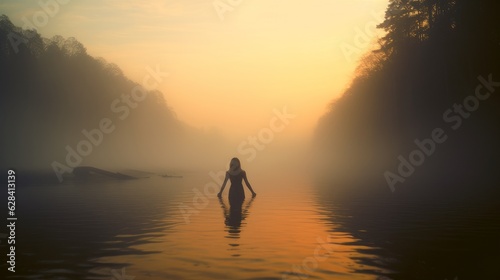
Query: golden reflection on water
(281,234)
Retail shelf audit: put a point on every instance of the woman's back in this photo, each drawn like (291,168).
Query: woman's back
(236,178)
(236,191)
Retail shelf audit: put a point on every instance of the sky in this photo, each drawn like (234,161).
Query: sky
(231,63)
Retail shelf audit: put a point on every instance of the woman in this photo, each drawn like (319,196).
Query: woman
(236,175)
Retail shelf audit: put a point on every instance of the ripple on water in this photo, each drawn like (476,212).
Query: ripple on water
(87,231)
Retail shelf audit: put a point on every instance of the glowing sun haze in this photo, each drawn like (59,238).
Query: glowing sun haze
(229,74)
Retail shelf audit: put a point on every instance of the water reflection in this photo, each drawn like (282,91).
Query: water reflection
(94,231)
(233,217)
(77,231)
(419,241)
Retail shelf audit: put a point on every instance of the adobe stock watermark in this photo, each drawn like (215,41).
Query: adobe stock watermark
(365,35)
(258,142)
(48,9)
(310,264)
(221,7)
(122,108)
(248,147)
(454,117)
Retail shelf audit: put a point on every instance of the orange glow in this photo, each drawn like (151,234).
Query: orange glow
(268,240)
(227,74)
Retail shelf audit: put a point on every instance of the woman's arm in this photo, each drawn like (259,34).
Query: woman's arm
(248,184)
(219,195)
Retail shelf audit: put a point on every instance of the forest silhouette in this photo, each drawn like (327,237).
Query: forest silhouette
(433,57)
(430,58)
(52,89)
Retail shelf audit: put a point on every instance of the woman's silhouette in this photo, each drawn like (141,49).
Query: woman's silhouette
(236,175)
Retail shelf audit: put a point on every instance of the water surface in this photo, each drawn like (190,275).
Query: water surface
(166,228)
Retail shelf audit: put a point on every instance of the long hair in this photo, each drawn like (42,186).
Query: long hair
(235,166)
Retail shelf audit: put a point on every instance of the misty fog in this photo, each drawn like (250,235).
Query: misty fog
(67,109)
